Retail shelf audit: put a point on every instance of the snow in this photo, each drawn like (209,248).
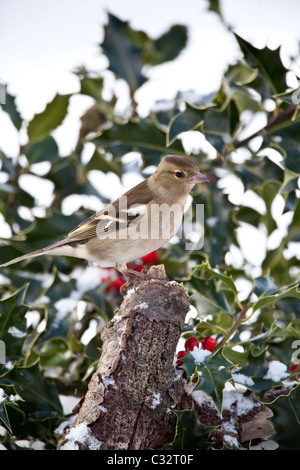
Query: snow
(229,426)
(87,278)
(200,355)
(16,333)
(157,399)
(9,365)
(277,371)
(237,397)
(2,395)
(130,291)
(80,434)
(231,440)
(37,445)
(68,422)
(11,398)
(33,444)
(117,318)
(201,398)
(107,381)
(232,396)
(141,306)
(65,306)
(243,379)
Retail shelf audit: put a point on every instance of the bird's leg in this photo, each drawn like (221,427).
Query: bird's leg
(131,276)
(137,277)
(141,275)
(134,274)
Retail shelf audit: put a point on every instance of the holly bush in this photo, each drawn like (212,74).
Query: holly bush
(52,309)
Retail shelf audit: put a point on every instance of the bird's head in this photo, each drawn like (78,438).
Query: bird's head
(177,175)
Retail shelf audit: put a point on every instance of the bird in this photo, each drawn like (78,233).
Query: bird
(139,222)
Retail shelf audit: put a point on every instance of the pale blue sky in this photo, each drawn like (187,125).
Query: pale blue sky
(42,42)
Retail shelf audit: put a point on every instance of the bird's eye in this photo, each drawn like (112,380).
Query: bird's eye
(179,174)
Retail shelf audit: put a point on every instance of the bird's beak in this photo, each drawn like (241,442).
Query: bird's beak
(197,177)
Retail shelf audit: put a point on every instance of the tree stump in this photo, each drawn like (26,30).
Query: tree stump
(130,396)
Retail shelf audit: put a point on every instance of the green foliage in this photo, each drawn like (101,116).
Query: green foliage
(53,115)
(286,420)
(46,354)
(212,374)
(190,433)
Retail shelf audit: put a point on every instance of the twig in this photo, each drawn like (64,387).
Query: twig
(274,121)
(239,319)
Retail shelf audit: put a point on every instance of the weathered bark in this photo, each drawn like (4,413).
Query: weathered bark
(127,405)
(129,398)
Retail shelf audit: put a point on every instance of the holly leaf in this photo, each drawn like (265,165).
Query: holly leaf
(43,150)
(224,278)
(40,399)
(189,119)
(287,141)
(213,373)
(270,300)
(13,323)
(49,119)
(143,136)
(93,87)
(167,46)
(218,126)
(11,109)
(221,286)
(125,57)
(6,402)
(190,433)
(268,62)
(99,162)
(286,420)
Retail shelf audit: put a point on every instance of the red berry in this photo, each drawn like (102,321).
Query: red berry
(191,343)
(151,258)
(139,268)
(115,285)
(293,368)
(179,355)
(209,343)
(212,179)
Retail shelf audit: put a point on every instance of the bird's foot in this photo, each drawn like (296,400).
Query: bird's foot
(137,277)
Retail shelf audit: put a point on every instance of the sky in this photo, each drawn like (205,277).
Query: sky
(42,42)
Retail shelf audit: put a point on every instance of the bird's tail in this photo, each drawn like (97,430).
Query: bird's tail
(55,248)
(21,258)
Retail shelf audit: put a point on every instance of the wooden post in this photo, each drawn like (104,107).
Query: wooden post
(130,396)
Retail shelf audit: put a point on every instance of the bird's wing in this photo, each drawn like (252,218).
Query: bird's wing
(115,217)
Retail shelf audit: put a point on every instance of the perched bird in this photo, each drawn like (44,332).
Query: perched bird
(137,223)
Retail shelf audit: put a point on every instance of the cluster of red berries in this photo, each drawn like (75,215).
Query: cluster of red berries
(117,281)
(208,343)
